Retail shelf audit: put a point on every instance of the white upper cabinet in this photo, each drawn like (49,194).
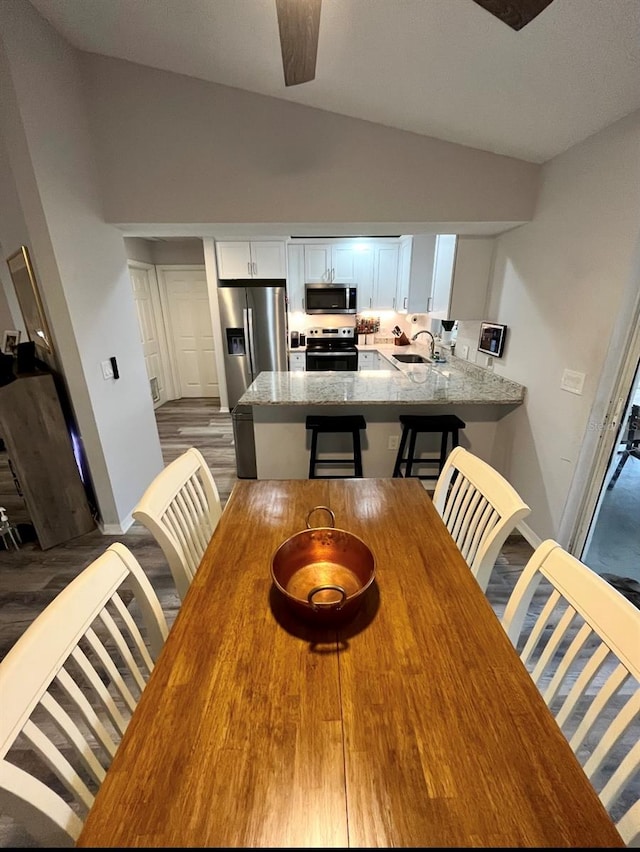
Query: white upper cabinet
(364,277)
(445,255)
(471,277)
(376,269)
(317,263)
(295,277)
(330,262)
(461,273)
(415,273)
(255,259)
(343,263)
(385,276)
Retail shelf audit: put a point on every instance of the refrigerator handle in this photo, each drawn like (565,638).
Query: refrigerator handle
(248,330)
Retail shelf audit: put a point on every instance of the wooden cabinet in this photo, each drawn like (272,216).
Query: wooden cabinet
(295,277)
(324,262)
(297,361)
(462,269)
(38,444)
(256,259)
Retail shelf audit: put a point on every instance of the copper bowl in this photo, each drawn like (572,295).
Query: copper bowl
(323,572)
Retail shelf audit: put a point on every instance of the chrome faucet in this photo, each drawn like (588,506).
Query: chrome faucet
(432,345)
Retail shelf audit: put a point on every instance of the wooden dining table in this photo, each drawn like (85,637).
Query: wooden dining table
(414,723)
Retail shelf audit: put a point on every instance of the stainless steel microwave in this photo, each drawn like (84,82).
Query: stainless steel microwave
(330,298)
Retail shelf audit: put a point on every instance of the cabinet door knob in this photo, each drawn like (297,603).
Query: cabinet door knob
(255,268)
(248,267)
(429,300)
(404,303)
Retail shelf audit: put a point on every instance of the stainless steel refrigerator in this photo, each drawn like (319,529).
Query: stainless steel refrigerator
(253,317)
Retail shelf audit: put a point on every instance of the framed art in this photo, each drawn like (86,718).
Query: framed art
(492,337)
(29,300)
(10,340)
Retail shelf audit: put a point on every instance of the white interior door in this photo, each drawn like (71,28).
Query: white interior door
(154,344)
(189,331)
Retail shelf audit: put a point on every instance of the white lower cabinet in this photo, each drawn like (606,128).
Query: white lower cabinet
(370,361)
(297,361)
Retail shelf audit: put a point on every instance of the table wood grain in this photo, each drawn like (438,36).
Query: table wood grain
(415,724)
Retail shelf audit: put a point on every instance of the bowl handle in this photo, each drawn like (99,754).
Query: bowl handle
(315,509)
(327,588)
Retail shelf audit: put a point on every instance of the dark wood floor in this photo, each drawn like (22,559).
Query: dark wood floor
(30,578)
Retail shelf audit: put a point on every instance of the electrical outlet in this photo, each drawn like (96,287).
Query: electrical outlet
(393,443)
(465,351)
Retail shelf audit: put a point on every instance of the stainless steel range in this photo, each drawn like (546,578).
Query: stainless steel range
(331,349)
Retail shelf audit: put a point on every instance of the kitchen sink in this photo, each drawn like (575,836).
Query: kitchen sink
(410,358)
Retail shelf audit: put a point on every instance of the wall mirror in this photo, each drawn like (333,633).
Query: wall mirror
(29,300)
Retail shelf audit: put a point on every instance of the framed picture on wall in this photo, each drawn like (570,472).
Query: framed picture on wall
(29,300)
(492,337)
(10,340)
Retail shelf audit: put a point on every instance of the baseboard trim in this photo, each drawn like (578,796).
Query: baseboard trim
(527,533)
(116,529)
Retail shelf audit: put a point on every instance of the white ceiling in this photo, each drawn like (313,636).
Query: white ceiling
(443,68)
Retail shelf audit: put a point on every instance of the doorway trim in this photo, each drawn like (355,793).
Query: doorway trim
(606,419)
(161,271)
(158,313)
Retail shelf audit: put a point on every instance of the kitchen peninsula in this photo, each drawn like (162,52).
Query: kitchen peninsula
(281,402)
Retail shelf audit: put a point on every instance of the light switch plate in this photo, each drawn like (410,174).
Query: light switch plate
(465,351)
(572,381)
(107,369)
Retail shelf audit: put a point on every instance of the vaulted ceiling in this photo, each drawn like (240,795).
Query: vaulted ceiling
(442,68)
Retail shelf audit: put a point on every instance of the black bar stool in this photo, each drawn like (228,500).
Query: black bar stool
(412,425)
(325,424)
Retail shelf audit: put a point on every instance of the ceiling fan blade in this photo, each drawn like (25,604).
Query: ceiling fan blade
(515,13)
(299,25)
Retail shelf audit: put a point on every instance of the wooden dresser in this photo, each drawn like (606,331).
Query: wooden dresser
(33,427)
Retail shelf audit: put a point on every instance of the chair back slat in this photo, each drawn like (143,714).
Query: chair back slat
(580,640)
(181,509)
(69,686)
(479,508)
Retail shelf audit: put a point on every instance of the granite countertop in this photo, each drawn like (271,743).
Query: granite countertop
(456,381)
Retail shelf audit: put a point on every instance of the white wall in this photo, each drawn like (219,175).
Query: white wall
(13,232)
(80,262)
(161,252)
(173,149)
(559,284)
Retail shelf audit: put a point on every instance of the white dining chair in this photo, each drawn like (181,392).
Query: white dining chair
(181,509)
(580,640)
(68,688)
(479,508)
